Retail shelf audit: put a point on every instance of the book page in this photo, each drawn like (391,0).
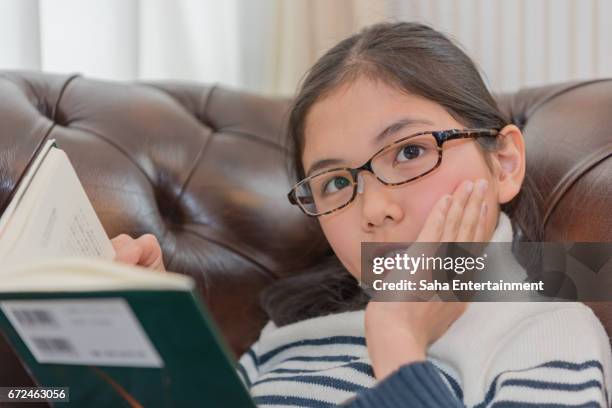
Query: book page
(24,184)
(70,274)
(55,218)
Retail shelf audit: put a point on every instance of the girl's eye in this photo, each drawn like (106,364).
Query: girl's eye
(409,152)
(336,184)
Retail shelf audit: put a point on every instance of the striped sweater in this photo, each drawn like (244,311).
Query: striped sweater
(496,354)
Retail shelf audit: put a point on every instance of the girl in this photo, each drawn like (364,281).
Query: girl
(365,130)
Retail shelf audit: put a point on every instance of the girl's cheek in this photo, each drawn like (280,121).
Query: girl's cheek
(431,193)
(454,172)
(342,241)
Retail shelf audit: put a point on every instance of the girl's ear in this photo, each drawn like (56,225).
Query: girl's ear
(509,163)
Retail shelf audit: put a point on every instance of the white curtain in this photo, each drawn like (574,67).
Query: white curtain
(123,39)
(266,46)
(525,42)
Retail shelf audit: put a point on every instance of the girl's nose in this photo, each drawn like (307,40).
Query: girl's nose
(378,205)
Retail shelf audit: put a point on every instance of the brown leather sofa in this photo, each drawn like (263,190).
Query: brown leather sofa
(203,168)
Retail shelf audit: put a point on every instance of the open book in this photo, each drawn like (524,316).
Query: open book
(115,335)
(49,215)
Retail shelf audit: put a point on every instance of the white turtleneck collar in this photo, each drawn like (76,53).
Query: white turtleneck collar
(503,231)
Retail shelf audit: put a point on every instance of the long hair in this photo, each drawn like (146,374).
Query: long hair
(412,58)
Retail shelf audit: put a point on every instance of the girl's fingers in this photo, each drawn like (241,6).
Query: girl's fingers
(143,251)
(460,217)
(455,212)
(434,224)
(126,250)
(151,253)
(479,234)
(120,240)
(471,213)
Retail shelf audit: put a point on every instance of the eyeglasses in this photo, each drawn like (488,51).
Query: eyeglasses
(401,162)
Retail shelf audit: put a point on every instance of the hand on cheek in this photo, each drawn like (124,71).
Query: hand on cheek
(399,333)
(460,217)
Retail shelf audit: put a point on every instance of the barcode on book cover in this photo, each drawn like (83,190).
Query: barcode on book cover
(54,345)
(34,317)
(82,331)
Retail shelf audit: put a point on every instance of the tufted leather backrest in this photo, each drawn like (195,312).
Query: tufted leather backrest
(568,137)
(568,142)
(200,167)
(203,168)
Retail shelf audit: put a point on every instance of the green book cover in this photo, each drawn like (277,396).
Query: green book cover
(149,347)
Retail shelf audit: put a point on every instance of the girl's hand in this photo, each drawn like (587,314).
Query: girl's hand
(399,333)
(460,217)
(143,251)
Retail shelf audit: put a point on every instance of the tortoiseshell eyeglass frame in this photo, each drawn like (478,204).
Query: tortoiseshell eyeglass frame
(440,136)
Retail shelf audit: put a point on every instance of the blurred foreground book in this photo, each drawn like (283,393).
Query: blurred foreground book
(116,335)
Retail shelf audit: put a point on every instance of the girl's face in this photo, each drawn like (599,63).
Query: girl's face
(344,125)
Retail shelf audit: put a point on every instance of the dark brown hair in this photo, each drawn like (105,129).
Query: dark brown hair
(412,58)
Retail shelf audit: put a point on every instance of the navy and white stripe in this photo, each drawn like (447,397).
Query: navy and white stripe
(418,385)
(314,372)
(328,380)
(306,373)
(559,383)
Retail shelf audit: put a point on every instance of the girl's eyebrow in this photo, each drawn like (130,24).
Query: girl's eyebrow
(388,131)
(399,125)
(319,164)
